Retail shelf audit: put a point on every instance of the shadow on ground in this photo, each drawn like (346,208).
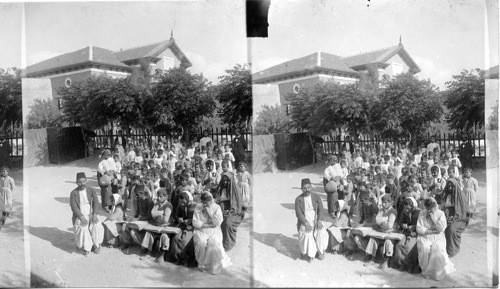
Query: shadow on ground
(39,282)
(283,244)
(58,238)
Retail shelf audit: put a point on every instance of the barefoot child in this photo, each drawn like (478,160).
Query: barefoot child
(7,186)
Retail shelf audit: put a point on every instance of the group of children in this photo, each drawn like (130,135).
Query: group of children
(392,172)
(176,169)
(164,185)
(388,191)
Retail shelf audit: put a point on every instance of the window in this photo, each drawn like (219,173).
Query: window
(68,82)
(168,63)
(59,103)
(397,68)
(287,109)
(296,88)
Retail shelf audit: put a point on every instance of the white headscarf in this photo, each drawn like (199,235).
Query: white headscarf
(415,205)
(189,195)
(117,200)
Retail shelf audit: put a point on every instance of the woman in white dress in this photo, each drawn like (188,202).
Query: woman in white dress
(207,236)
(431,242)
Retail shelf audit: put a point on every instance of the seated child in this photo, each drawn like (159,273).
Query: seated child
(385,222)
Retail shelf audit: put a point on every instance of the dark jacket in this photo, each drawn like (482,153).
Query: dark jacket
(351,147)
(300,209)
(74,201)
(144,208)
(186,213)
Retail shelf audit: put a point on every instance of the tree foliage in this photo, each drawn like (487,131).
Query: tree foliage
(178,100)
(328,105)
(406,105)
(271,120)
(235,95)
(44,113)
(493,119)
(98,101)
(11,113)
(465,100)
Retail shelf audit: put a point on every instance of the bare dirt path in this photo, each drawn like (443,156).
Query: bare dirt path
(55,262)
(12,262)
(276,249)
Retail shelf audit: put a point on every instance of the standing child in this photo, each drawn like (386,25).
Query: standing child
(7,186)
(455,161)
(470,188)
(391,189)
(228,155)
(244,180)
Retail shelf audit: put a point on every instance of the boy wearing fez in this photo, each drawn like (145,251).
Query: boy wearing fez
(313,237)
(88,231)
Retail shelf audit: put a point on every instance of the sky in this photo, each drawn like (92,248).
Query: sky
(10,35)
(443,37)
(210,33)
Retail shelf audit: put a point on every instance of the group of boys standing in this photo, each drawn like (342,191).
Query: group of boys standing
(164,186)
(386,192)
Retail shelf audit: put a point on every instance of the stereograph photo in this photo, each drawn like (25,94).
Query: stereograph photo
(249,144)
(371,147)
(137,123)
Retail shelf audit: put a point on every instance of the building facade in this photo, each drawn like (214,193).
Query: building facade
(306,71)
(77,66)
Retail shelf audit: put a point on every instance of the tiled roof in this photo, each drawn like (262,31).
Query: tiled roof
(87,55)
(369,57)
(332,62)
(326,61)
(141,51)
(94,54)
(105,56)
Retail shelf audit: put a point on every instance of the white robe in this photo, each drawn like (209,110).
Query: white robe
(91,234)
(209,251)
(316,240)
(432,256)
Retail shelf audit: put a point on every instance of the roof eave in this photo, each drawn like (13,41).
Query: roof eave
(52,70)
(413,65)
(300,72)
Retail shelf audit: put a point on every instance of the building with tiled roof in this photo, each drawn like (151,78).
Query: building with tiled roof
(81,64)
(295,74)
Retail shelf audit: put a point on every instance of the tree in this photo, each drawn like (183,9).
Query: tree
(329,105)
(272,119)
(465,100)
(99,101)
(44,113)
(406,105)
(11,114)
(179,100)
(493,119)
(235,96)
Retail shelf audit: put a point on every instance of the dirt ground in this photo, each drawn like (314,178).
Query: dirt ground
(12,259)
(55,262)
(277,257)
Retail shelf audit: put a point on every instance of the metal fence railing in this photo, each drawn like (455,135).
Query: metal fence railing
(333,145)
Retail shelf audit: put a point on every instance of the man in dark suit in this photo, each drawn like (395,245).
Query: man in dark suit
(313,237)
(88,231)
(348,145)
